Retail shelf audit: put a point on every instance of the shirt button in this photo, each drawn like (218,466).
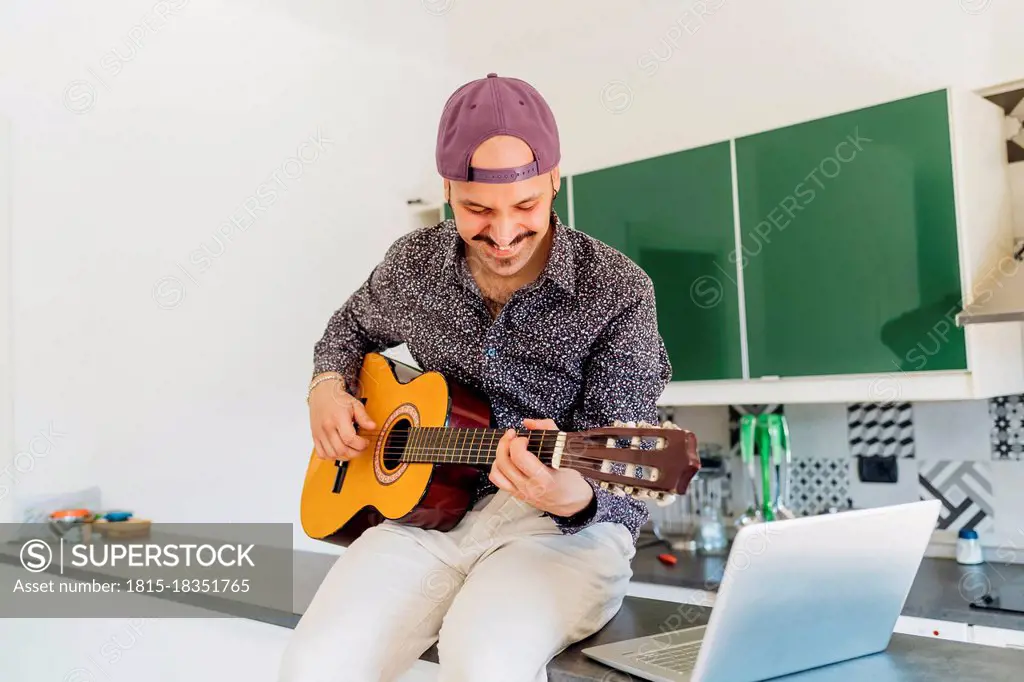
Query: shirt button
(491,352)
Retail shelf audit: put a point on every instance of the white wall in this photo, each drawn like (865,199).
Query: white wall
(176,379)
(6,368)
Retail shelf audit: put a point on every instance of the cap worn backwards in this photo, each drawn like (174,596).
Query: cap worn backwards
(484,108)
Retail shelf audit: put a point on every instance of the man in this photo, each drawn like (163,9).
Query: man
(558,330)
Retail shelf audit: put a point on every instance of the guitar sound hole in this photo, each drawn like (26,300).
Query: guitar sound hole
(395,444)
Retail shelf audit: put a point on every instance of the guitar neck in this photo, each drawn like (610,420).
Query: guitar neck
(442,445)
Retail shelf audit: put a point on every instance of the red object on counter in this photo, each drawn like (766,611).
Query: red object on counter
(667,559)
(71,514)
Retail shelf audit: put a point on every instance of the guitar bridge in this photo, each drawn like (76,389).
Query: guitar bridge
(343,465)
(340,478)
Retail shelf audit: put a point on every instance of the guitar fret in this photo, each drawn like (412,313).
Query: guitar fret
(421,444)
(424,444)
(432,443)
(476,445)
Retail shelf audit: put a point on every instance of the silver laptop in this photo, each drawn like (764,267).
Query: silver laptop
(795,595)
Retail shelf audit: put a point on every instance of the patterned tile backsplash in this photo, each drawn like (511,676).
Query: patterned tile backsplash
(1007,415)
(877,429)
(965,490)
(947,454)
(818,484)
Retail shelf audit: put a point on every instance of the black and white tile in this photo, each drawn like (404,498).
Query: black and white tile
(817,484)
(880,429)
(1007,427)
(1012,103)
(965,490)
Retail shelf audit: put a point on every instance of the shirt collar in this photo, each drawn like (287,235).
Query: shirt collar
(561,265)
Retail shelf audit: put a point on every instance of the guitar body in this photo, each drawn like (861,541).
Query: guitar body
(340,500)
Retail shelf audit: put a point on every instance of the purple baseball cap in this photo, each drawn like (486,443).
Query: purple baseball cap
(491,106)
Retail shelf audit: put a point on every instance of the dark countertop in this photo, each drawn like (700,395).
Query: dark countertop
(936,594)
(907,658)
(942,590)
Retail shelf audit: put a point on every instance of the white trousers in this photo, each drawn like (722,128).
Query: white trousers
(501,593)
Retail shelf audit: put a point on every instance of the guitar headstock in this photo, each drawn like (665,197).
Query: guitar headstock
(658,463)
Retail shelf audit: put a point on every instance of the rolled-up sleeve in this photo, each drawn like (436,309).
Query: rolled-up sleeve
(624,376)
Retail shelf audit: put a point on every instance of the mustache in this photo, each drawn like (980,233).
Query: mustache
(515,241)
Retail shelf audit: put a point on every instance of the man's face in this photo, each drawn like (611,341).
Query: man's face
(515,215)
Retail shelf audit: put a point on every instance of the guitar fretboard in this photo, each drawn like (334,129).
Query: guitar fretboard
(470,446)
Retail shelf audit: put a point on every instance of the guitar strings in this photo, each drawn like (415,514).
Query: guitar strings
(479,448)
(423,442)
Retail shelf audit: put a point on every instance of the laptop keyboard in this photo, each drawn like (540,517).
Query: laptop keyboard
(680,658)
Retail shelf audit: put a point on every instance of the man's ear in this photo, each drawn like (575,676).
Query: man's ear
(448,193)
(556,181)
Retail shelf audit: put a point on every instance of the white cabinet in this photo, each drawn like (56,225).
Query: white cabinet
(936,629)
(960,632)
(1011,639)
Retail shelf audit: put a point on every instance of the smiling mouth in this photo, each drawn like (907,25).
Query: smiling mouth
(508,250)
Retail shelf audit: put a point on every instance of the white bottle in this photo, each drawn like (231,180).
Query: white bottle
(968,548)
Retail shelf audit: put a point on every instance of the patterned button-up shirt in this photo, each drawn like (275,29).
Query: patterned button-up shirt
(579,345)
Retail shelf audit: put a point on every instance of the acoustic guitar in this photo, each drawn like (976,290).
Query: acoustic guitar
(434,441)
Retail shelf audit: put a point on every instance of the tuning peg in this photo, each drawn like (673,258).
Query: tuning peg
(642,494)
(663,499)
(617,490)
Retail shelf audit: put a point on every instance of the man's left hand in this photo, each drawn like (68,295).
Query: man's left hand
(562,492)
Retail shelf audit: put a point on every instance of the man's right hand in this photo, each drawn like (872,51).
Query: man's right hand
(332,413)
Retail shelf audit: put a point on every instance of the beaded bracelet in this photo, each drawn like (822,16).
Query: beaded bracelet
(319,380)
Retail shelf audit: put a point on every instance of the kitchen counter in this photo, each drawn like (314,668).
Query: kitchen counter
(942,590)
(907,659)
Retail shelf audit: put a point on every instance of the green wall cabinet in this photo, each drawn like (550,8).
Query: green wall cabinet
(855,241)
(849,243)
(673,216)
